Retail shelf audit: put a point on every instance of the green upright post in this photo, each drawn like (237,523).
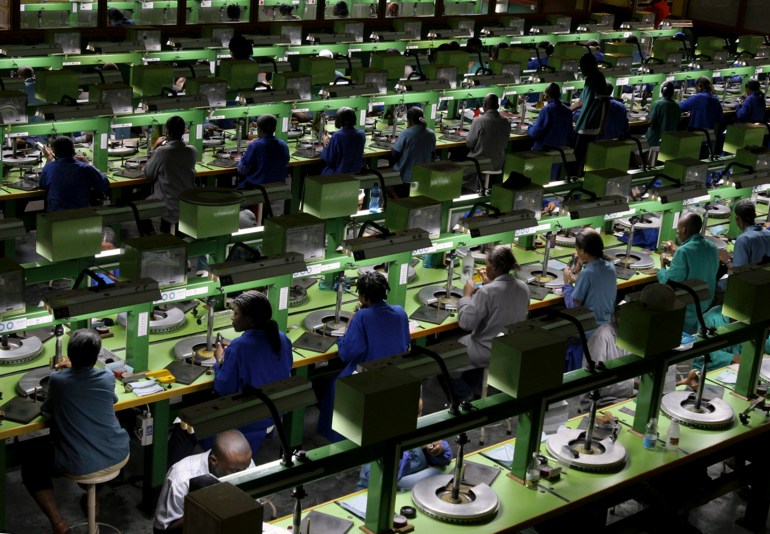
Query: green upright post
(669,221)
(528,431)
(280,304)
(3,461)
(381,501)
(398,289)
(156,456)
(137,341)
(648,399)
(294,422)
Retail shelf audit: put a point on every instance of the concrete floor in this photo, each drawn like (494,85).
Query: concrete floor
(119,501)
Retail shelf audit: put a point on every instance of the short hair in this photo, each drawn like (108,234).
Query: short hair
(285,9)
(415,115)
(175,127)
(590,241)
(83,347)
(63,147)
(240,47)
(746,210)
(753,86)
(373,286)
(115,14)
(658,297)
(588,62)
(233,12)
(593,42)
(491,101)
(502,259)
(474,43)
(267,124)
(346,118)
(692,223)
(340,9)
(610,88)
(667,89)
(25,72)
(553,91)
(254,305)
(392,9)
(495,52)
(704,82)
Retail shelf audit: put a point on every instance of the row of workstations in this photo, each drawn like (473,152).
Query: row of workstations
(147,350)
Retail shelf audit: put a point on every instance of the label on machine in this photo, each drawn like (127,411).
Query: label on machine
(760,188)
(318,269)
(697,200)
(12,325)
(618,215)
(70,63)
(144,323)
(283,298)
(403,274)
(207,3)
(532,230)
(434,248)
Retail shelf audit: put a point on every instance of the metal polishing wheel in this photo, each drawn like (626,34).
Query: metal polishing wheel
(15,350)
(713,415)
(162,320)
(122,151)
(194,350)
(763,197)
(764,371)
(135,163)
(603,456)
(369,125)
(533,274)
(323,322)
(635,260)
(213,141)
(296,133)
(654,222)
(718,211)
(35,382)
(297,296)
(411,273)
(476,504)
(565,240)
(20,160)
(436,296)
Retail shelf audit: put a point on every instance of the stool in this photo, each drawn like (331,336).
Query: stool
(487,175)
(93,526)
(484,390)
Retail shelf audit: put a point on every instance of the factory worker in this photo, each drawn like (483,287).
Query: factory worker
(593,276)
(484,312)
(69,180)
(377,330)
(661,9)
(553,126)
(616,126)
(488,134)
(704,107)
(86,439)
(664,115)
(696,258)
(343,151)
(116,18)
(267,158)
(753,245)
(340,9)
(753,106)
(416,144)
(229,454)
(261,355)
(172,169)
(590,106)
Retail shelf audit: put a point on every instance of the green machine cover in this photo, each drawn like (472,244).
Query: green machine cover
(743,135)
(527,362)
(680,145)
(440,180)
(608,154)
(241,74)
(331,195)
(68,234)
(747,294)
(365,404)
(11,288)
(534,165)
(209,212)
(393,62)
(52,85)
(162,257)
(320,69)
(150,80)
(414,212)
(647,332)
(300,232)
(605,182)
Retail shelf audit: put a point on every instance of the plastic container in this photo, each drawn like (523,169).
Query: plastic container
(375,198)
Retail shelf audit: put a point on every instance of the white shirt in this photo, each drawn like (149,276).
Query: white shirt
(603,348)
(177,486)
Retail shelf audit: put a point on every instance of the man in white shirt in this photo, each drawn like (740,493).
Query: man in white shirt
(230,454)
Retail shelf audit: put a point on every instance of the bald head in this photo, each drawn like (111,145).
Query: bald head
(491,101)
(689,225)
(230,454)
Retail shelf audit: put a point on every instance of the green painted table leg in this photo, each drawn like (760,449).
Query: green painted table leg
(751,361)
(528,431)
(648,400)
(381,501)
(2,485)
(294,422)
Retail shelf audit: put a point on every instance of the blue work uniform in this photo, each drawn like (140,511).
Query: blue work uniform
(705,110)
(414,466)
(68,183)
(345,152)
(415,145)
(265,161)
(553,126)
(591,109)
(377,331)
(616,126)
(695,259)
(752,246)
(596,288)
(752,109)
(250,361)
